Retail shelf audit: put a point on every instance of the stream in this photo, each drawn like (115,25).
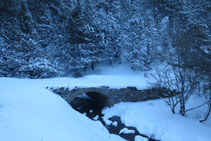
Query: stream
(92,110)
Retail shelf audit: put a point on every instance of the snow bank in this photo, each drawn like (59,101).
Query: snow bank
(154,119)
(113,81)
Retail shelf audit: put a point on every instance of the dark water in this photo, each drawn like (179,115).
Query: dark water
(93,108)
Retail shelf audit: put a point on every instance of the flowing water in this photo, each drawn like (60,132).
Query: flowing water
(92,109)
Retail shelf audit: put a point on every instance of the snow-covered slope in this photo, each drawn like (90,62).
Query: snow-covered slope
(30,112)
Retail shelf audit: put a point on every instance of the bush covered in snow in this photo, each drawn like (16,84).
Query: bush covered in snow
(38,68)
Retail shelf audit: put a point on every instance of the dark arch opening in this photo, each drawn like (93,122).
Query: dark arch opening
(98,98)
(90,103)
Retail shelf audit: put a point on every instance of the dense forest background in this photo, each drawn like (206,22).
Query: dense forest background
(49,38)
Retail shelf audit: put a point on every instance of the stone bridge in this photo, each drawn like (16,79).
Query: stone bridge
(110,96)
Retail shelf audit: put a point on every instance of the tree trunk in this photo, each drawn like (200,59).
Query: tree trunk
(173,110)
(182,95)
(182,109)
(92,65)
(182,105)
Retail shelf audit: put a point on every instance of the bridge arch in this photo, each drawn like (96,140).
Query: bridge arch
(98,95)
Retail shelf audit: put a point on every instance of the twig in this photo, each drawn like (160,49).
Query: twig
(198,106)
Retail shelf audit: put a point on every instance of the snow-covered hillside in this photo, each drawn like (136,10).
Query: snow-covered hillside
(30,112)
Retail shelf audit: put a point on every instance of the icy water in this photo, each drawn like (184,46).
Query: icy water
(92,109)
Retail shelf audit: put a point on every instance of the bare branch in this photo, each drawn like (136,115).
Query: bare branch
(208,102)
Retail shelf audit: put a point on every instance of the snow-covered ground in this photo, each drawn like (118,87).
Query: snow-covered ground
(30,112)
(153,118)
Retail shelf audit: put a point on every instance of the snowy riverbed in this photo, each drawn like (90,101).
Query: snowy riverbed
(30,112)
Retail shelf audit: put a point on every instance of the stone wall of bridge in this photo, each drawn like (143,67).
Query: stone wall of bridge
(113,96)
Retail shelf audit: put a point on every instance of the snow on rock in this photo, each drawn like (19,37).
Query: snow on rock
(126,131)
(29,112)
(96,117)
(115,123)
(107,121)
(140,138)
